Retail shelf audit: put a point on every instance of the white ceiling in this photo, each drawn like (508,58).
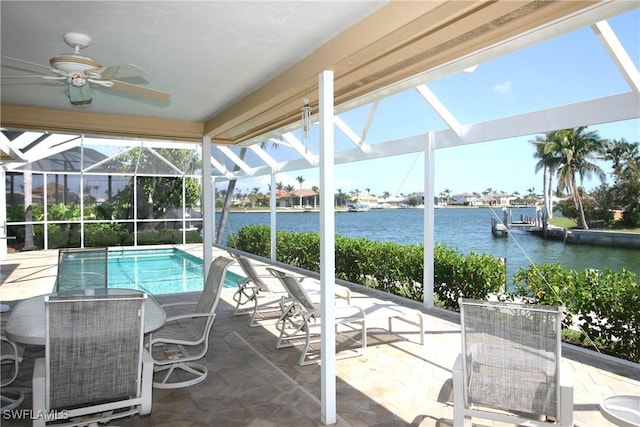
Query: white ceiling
(205,54)
(238,70)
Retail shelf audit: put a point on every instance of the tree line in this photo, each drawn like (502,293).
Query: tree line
(569,156)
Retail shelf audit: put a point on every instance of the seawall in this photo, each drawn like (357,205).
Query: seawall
(611,239)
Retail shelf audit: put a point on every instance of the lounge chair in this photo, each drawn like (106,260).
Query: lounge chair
(253,290)
(510,367)
(184,338)
(95,367)
(265,296)
(301,318)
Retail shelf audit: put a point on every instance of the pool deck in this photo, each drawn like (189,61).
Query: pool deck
(397,382)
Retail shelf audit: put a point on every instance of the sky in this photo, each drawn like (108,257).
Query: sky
(571,68)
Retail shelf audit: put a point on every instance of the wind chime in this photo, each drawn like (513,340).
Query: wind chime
(305,113)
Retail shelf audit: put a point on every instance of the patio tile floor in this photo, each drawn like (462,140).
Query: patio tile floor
(397,382)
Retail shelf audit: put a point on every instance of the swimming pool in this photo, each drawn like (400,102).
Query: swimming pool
(155,271)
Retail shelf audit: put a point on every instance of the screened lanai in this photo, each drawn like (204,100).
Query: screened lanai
(254,129)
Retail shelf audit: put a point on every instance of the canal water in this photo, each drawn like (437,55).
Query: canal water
(464,229)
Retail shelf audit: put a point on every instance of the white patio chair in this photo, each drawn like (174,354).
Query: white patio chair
(10,397)
(253,290)
(95,367)
(184,338)
(301,318)
(267,297)
(510,367)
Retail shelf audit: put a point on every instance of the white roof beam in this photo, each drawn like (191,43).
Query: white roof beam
(619,54)
(235,159)
(277,141)
(23,141)
(12,151)
(440,109)
(264,156)
(608,109)
(220,168)
(367,125)
(603,110)
(357,141)
(53,144)
(300,148)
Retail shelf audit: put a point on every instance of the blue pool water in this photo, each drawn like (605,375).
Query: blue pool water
(158,271)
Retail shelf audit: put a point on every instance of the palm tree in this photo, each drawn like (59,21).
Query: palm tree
(228,199)
(548,162)
(316,190)
(300,180)
(28,209)
(620,152)
(574,150)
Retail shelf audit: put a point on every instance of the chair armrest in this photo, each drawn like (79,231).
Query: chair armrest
(188,316)
(175,304)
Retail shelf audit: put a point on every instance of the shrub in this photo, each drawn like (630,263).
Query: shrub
(390,267)
(605,304)
(601,305)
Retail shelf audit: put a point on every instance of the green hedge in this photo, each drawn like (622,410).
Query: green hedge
(390,267)
(602,306)
(97,235)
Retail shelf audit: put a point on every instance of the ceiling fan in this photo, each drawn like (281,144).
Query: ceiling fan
(80,71)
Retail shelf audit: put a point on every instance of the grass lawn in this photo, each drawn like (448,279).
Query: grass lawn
(569,223)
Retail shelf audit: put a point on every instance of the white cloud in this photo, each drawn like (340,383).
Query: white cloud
(503,88)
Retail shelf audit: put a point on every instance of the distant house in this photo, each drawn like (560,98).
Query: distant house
(290,199)
(368,199)
(466,199)
(503,199)
(391,202)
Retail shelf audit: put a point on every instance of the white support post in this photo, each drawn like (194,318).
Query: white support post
(429,214)
(272,217)
(208,205)
(327,249)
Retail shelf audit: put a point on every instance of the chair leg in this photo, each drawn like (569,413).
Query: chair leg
(38,389)
(197,371)
(566,396)
(147,383)
(458,395)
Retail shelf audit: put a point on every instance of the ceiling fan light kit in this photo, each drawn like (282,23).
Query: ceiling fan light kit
(79,70)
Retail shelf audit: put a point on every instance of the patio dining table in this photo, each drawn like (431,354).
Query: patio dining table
(26,324)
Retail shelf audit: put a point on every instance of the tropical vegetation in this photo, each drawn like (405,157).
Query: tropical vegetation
(570,156)
(601,306)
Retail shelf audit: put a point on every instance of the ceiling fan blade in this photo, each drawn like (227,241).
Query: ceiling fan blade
(27,62)
(140,90)
(105,83)
(37,76)
(123,71)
